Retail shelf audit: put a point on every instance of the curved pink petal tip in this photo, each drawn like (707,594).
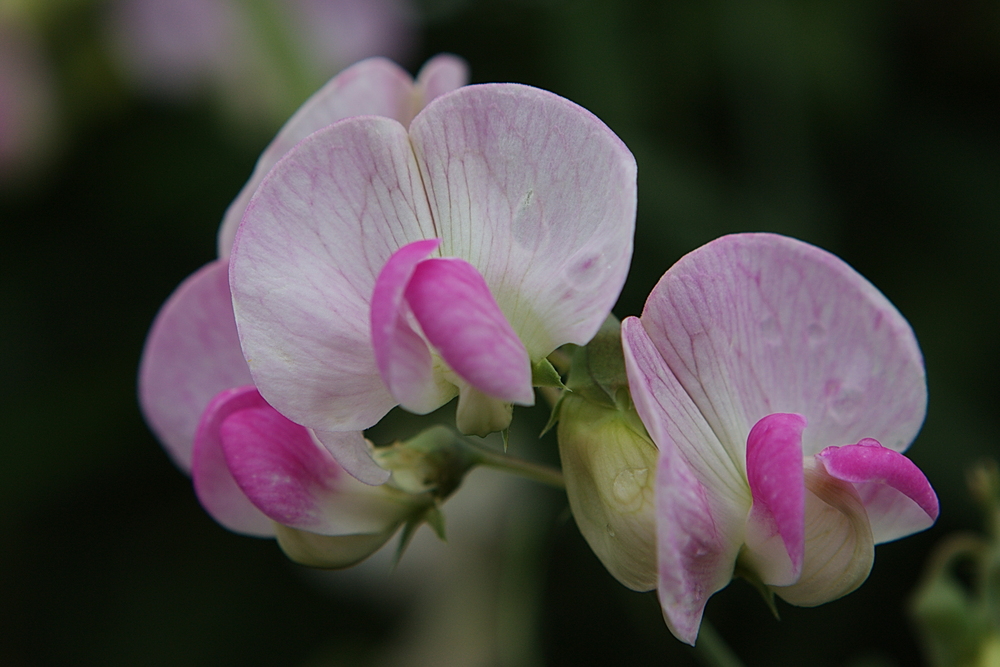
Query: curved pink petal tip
(402,355)
(278,465)
(896,494)
(462,320)
(353,455)
(214,484)
(777,484)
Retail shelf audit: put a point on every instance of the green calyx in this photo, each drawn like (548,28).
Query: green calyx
(434,462)
(598,376)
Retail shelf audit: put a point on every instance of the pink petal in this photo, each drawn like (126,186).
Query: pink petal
(754,324)
(539,196)
(775,474)
(896,494)
(373,87)
(353,455)
(318,233)
(289,477)
(702,497)
(277,465)
(442,74)
(672,418)
(695,558)
(453,305)
(214,484)
(402,355)
(191,354)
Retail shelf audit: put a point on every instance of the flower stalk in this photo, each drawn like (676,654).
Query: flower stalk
(536,472)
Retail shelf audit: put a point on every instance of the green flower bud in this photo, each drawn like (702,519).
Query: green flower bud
(434,461)
(610,466)
(609,462)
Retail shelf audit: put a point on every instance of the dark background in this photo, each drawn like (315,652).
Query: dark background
(868,127)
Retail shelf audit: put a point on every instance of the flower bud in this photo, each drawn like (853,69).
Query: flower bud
(609,462)
(435,461)
(610,466)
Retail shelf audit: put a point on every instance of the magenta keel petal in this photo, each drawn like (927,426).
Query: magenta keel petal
(402,355)
(462,320)
(278,465)
(777,483)
(896,494)
(214,484)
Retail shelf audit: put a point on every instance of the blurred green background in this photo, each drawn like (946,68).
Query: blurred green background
(868,127)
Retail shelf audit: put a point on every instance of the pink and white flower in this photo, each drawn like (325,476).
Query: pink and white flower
(255,471)
(380,264)
(780,388)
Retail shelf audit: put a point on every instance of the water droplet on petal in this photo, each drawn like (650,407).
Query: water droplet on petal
(816,333)
(628,486)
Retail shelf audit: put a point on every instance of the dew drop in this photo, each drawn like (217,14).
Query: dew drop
(816,333)
(629,484)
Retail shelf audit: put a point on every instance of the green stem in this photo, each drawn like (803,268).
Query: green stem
(534,471)
(711,649)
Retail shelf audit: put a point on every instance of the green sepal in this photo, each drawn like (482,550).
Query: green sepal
(544,374)
(598,370)
(435,519)
(405,537)
(432,516)
(554,415)
(505,434)
(605,358)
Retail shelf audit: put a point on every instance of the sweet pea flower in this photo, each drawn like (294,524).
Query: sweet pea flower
(258,473)
(255,471)
(780,388)
(379,265)
(193,351)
